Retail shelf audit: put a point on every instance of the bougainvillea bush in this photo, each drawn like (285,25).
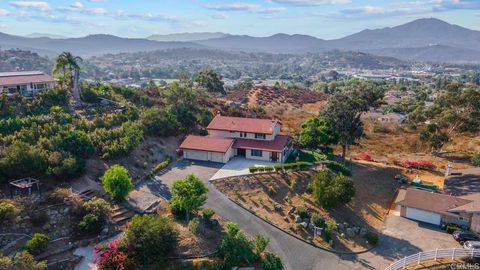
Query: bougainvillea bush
(116,255)
(364,156)
(420,164)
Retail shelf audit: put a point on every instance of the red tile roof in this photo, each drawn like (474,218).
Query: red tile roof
(276,145)
(16,78)
(240,124)
(204,143)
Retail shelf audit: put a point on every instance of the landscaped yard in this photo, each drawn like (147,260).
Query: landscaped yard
(275,196)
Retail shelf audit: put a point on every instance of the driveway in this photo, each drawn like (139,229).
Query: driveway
(403,237)
(295,254)
(239,166)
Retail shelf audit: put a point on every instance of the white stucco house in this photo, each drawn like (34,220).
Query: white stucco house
(26,83)
(258,139)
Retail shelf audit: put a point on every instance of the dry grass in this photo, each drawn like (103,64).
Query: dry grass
(375,186)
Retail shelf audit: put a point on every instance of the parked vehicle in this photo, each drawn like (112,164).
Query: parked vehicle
(463,236)
(472,245)
(452,227)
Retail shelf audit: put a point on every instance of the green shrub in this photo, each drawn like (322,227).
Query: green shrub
(90,223)
(37,244)
(98,207)
(318,221)
(194,226)
(271,262)
(235,247)
(372,238)
(339,168)
(268,168)
(8,212)
(476,159)
(21,261)
(208,213)
(162,165)
(117,182)
(302,211)
(330,225)
(452,228)
(152,237)
(253,169)
(330,190)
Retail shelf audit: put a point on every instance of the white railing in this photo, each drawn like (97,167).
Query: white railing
(433,255)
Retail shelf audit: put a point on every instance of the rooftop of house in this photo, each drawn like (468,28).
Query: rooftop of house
(276,145)
(24,77)
(431,201)
(205,143)
(240,124)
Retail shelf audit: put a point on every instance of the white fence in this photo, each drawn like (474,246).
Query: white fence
(433,255)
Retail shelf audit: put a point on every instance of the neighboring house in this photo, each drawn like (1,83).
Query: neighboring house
(436,208)
(26,83)
(460,203)
(251,138)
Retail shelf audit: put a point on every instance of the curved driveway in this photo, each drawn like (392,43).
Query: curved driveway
(295,254)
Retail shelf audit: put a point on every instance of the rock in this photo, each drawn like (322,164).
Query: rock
(304,224)
(46,227)
(307,220)
(311,226)
(350,232)
(290,212)
(278,207)
(363,231)
(298,219)
(356,230)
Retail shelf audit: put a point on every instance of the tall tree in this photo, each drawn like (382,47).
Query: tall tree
(210,80)
(189,194)
(345,108)
(317,133)
(67,62)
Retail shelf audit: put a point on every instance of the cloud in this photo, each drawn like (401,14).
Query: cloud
(4,12)
(219,16)
(77,5)
(248,7)
(38,5)
(97,11)
(311,2)
(121,14)
(234,7)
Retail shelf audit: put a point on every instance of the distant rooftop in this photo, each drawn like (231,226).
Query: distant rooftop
(20,73)
(24,77)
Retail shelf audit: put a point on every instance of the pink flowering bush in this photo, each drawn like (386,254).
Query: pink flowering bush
(116,255)
(420,164)
(364,156)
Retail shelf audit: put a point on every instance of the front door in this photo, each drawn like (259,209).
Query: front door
(241,152)
(274,156)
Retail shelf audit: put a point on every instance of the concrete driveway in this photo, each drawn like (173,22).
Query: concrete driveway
(239,166)
(403,237)
(295,254)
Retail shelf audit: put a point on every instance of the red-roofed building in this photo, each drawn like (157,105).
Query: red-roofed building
(27,83)
(235,136)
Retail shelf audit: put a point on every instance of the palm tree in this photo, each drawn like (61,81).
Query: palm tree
(67,61)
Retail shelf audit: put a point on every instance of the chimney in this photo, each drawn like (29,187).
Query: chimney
(449,170)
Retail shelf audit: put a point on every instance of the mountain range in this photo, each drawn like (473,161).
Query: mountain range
(420,40)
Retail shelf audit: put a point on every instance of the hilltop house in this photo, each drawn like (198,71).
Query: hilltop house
(26,83)
(460,203)
(228,137)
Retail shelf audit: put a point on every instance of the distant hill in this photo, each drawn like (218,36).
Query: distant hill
(89,45)
(23,60)
(279,43)
(187,37)
(422,40)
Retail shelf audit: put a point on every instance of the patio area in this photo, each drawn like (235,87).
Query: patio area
(239,166)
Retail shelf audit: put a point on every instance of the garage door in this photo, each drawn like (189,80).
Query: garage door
(217,157)
(425,216)
(198,155)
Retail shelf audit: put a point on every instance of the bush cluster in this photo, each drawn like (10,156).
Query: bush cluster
(8,212)
(37,244)
(339,168)
(287,166)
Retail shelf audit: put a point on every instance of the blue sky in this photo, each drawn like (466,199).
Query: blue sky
(139,18)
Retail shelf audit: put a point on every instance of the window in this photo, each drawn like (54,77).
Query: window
(259,136)
(464,219)
(243,134)
(257,153)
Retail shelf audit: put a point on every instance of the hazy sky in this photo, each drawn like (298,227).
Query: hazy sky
(139,18)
